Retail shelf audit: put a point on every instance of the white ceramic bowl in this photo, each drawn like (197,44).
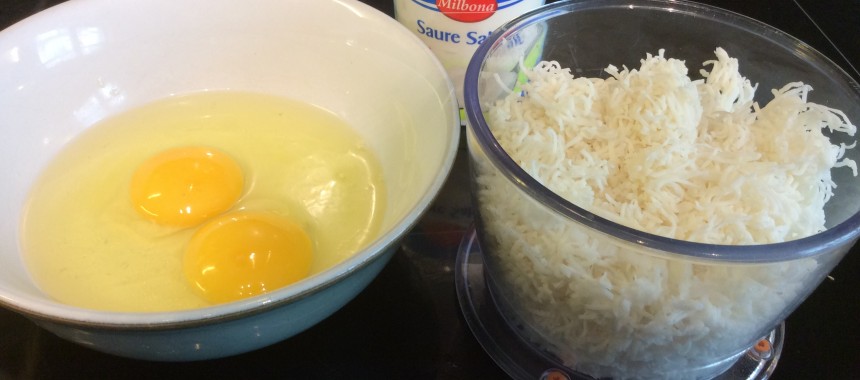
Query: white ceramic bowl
(74,64)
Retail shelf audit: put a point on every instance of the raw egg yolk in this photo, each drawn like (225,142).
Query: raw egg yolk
(184,186)
(242,254)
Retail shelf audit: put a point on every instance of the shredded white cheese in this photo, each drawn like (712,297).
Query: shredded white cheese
(652,149)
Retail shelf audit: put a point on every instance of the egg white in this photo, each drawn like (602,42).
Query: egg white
(85,245)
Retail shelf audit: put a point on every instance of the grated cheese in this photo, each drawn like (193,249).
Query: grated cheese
(652,149)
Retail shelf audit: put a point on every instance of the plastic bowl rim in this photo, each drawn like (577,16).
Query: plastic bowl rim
(842,234)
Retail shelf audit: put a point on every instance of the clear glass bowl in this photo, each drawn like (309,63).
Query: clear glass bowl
(611,301)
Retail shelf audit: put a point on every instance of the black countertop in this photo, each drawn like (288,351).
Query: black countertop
(407,324)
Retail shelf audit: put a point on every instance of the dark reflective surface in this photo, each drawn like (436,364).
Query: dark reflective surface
(407,324)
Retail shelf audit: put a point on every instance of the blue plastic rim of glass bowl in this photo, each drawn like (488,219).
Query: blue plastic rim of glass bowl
(836,238)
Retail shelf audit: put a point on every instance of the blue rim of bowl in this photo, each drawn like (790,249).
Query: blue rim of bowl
(255,305)
(174,320)
(837,236)
(210,315)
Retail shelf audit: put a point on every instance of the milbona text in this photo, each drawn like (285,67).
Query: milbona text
(471,38)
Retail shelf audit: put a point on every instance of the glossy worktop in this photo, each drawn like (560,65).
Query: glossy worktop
(407,324)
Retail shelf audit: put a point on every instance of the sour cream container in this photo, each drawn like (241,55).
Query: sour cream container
(453,29)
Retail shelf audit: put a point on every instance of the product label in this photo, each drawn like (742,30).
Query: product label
(461,22)
(467,10)
(453,29)
(471,37)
